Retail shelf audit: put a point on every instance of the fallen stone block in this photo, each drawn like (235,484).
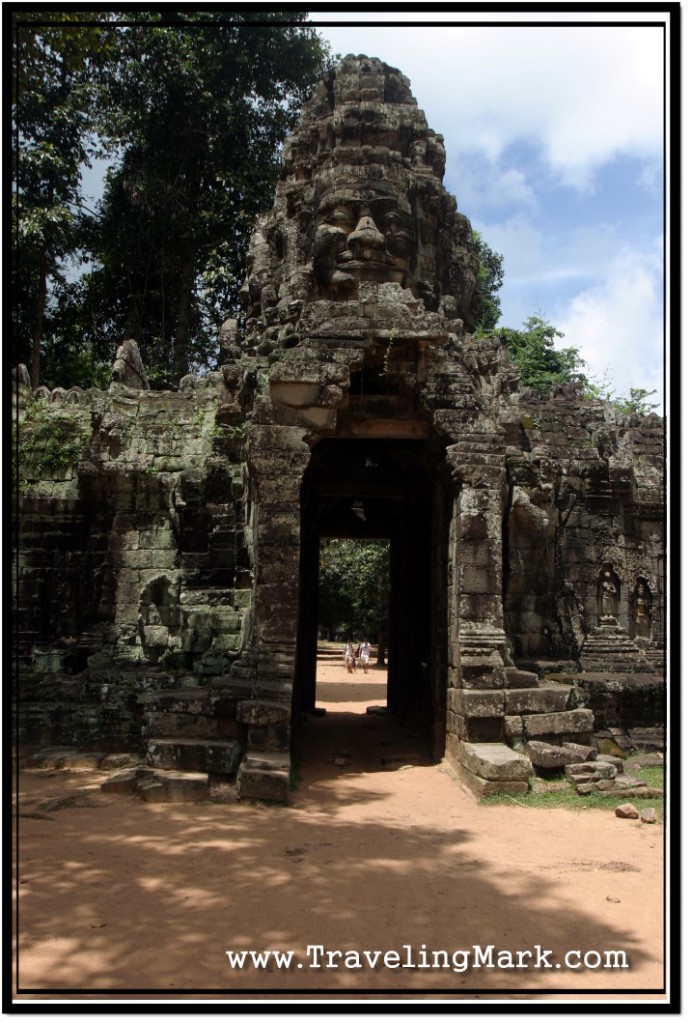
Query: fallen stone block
(264,776)
(126,780)
(153,792)
(611,759)
(486,787)
(546,755)
(184,787)
(629,782)
(222,789)
(626,811)
(579,721)
(589,771)
(495,762)
(641,792)
(112,761)
(648,816)
(585,753)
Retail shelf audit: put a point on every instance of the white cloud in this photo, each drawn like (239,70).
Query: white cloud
(582,95)
(482,184)
(618,324)
(520,243)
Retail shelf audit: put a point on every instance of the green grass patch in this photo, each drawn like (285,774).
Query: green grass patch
(557,792)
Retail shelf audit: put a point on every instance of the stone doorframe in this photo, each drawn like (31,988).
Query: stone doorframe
(476,644)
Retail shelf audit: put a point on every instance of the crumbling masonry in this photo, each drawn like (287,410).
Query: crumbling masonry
(168,541)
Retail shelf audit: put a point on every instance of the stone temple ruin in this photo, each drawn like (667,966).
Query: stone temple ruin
(168,542)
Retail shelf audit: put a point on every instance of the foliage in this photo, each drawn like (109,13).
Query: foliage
(191,111)
(49,442)
(637,402)
(539,363)
(354,587)
(57,72)
(489,280)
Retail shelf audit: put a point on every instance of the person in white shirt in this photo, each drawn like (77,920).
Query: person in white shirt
(349,655)
(365,648)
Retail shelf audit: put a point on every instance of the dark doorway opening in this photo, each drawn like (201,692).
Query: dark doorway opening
(391,491)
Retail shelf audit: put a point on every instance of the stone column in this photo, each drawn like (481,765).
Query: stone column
(478,644)
(277,460)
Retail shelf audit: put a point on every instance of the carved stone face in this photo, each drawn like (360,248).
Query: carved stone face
(362,237)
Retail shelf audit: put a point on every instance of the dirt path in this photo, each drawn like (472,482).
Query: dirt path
(380,850)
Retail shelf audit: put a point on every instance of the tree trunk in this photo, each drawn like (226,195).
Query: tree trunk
(184,317)
(39,311)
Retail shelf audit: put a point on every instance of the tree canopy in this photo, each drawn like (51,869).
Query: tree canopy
(489,281)
(354,587)
(192,114)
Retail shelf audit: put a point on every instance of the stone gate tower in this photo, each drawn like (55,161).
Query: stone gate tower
(525,532)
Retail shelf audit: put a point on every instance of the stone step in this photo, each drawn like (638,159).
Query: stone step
(578,722)
(192,701)
(159,786)
(264,776)
(493,768)
(160,723)
(202,755)
(609,648)
(543,697)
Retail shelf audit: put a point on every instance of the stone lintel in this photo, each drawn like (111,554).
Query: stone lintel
(385,429)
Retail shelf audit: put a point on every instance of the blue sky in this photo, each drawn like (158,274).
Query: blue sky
(555,143)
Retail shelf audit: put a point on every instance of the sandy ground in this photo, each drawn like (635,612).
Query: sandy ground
(380,850)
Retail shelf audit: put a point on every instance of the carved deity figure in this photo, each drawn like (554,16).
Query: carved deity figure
(362,236)
(360,201)
(609,597)
(641,607)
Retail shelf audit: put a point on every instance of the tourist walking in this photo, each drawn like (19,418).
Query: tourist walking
(349,655)
(365,649)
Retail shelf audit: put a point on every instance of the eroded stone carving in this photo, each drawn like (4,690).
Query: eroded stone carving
(360,200)
(128,367)
(609,596)
(641,607)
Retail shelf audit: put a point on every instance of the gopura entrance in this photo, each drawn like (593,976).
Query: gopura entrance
(526,531)
(391,490)
(361,300)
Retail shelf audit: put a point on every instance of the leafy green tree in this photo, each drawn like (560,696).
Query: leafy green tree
(489,281)
(354,587)
(539,363)
(192,111)
(57,68)
(637,401)
(200,109)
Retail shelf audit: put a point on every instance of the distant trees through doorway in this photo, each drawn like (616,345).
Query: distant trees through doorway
(354,590)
